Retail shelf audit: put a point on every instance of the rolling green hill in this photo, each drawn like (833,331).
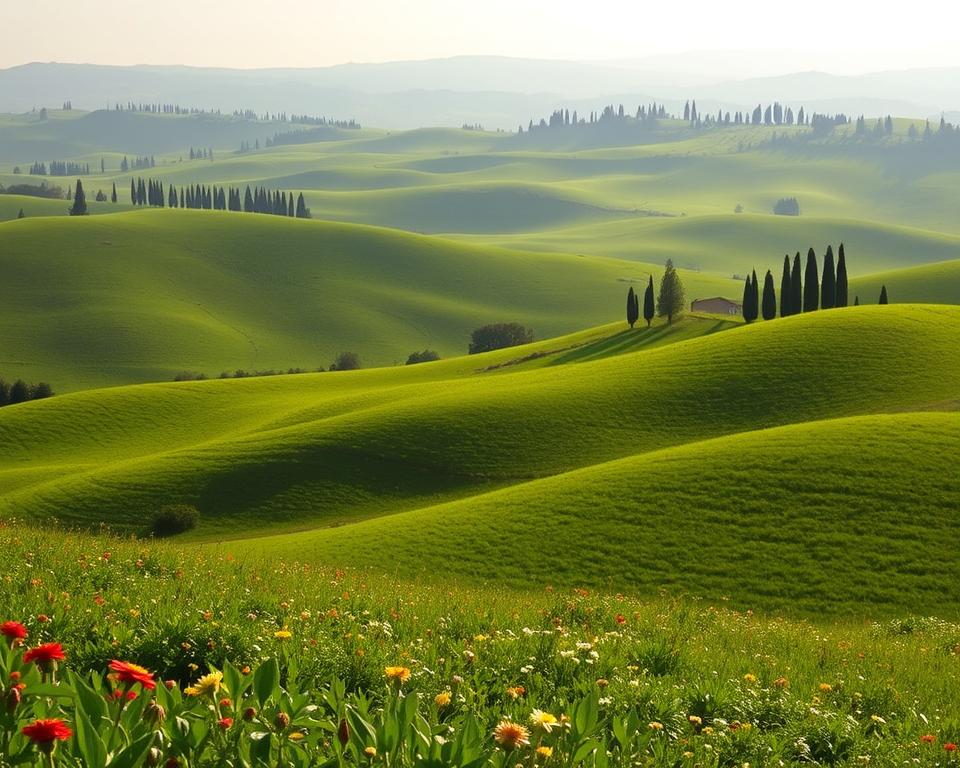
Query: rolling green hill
(144,295)
(317,449)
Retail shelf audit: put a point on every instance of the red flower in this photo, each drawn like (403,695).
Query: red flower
(621,619)
(14,631)
(928,738)
(225,722)
(950,746)
(125,672)
(47,731)
(45,654)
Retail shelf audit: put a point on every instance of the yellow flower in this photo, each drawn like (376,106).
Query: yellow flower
(655,726)
(544,752)
(694,720)
(398,675)
(826,687)
(479,638)
(370,751)
(296,736)
(442,699)
(206,685)
(283,634)
(750,677)
(511,735)
(688,754)
(708,730)
(543,721)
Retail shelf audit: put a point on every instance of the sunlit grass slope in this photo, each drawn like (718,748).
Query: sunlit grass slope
(851,515)
(931,282)
(308,450)
(144,295)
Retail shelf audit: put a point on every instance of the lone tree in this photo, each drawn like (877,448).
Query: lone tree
(883,295)
(828,286)
(113,195)
(811,287)
(648,303)
(427,356)
(346,361)
(21,215)
(842,287)
(633,307)
(498,336)
(79,207)
(785,290)
(671,299)
(769,297)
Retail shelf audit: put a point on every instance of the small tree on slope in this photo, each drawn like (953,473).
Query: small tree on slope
(671,299)
(769,297)
(648,303)
(633,307)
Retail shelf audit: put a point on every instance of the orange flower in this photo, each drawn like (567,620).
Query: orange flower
(511,735)
(950,746)
(14,631)
(928,738)
(45,655)
(45,732)
(131,674)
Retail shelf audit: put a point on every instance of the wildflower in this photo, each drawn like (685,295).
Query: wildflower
(603,682)
(283,634)
(688,754)
(245,670)
(43,618)
(131,674)
(516,691)
(225,723)
(13,697)
(155,714)
(282,720)
(398,675)
(544,752)
(621,619)
(206,685)
(928,738)
(511,735)
(296,736)
(14,631)
(45,733)
(543,721)
(45,656)
(825,687)
(695,720)
(343,733)
(950,747)
(249,713)
(442,699)
(655,726)
(370,752)
(877,719)
(781,682)
(750,678)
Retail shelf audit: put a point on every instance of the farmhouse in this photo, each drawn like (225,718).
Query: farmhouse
(717,306)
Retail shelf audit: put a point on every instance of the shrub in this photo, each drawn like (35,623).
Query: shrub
(175,518)
(498,336)
(346,361)
(427,356)
(787,206)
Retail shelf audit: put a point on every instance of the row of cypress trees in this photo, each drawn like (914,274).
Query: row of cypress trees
(801,294)
(260,200)
(633,305)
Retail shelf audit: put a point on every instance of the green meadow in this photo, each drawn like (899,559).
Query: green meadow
(801,465)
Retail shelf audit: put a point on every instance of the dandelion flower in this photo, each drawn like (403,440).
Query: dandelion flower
(750,678)
(442,699)
(511,735)
(398,675)
(655,726)
(283,634)
(370,752)
(208,685)
(825,687)
(695,720)
(543,721)
(544,752)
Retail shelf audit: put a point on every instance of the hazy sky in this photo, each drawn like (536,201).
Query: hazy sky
(834,35)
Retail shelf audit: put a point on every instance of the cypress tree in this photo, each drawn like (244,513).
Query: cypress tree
(785,289)
(856,301)
(811,287)
(796,287)
(133,192)
(754,296)
(769,297)
(113,195)
(248,202)
(633,308)
(301,207)
(828,287)
(842,287)
(79,201)
(648,304)
(21,214)
(883,295)
(745,306)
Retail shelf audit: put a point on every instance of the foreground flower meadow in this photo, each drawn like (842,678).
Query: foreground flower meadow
(122,653)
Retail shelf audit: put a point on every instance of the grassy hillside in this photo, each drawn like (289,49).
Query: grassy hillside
(144,295)
(931,282)
(824,517)
(325,448)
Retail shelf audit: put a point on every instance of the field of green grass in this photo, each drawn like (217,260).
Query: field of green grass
(142,296)
(717,458)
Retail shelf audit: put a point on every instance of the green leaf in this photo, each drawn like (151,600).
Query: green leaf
(584,750)
(89,744)
(260,747)
(265,680)
(134,754)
